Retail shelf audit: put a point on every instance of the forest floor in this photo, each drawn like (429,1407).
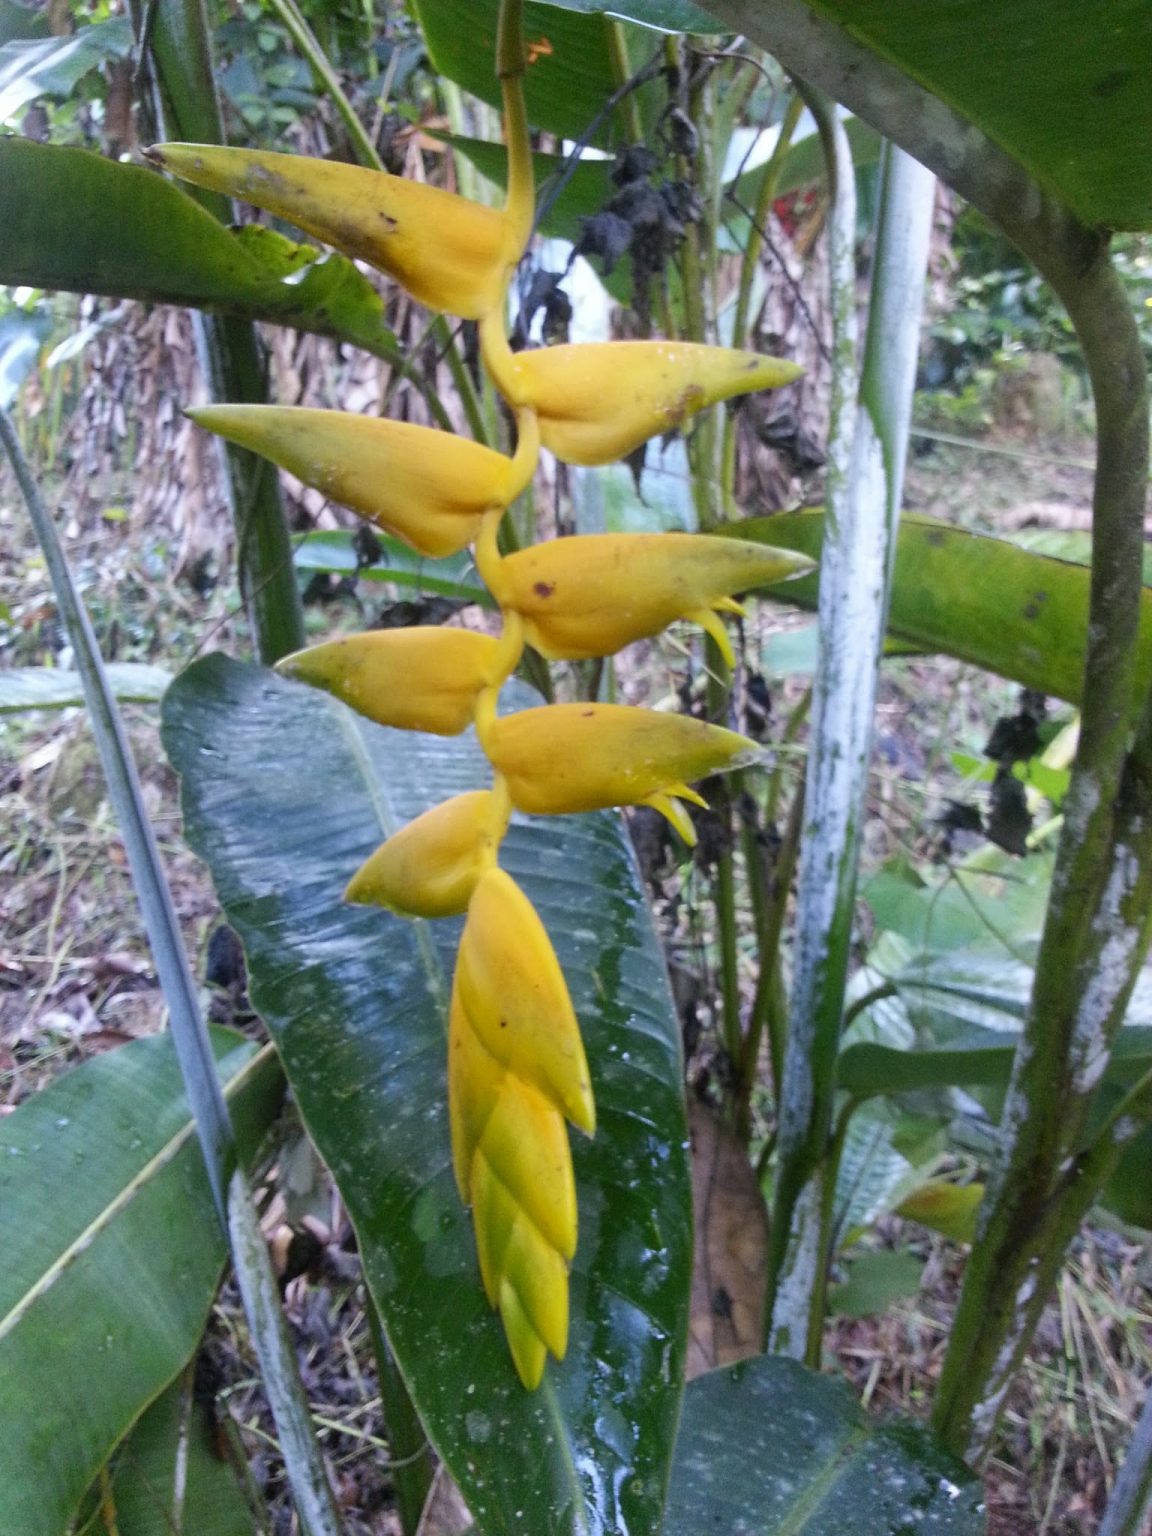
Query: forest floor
(76,978)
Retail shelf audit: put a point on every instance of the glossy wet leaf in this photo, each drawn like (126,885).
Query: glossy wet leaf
(1062,85)
(73,220)
(173,1473)
(112,1254)
(980,599)
(768,1446)
(286,793)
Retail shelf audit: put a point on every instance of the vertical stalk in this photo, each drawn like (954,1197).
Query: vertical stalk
(1131,1503)
(235,364)
(748,264)
(303,1462)
(865,478)
(409,1452)
(1097,926)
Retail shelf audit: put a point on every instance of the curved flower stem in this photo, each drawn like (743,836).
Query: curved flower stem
(511,62)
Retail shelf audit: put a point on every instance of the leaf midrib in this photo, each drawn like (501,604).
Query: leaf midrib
(155,1165)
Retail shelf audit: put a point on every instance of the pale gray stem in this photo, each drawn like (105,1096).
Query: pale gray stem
(863,502)
(1131,1502)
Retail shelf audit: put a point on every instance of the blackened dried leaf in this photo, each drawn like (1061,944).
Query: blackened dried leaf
(1009,819)
(682,202)
(557,318)
(640,205)
(1014,739)
(607,236)
(635,162)
(757,707)
(683,138)
(958,816)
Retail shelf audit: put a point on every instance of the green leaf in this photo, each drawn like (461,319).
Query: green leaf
(335,550)
(54,66)
(285,793)
(768,1446)
(1062,85)
(666,15)
(18,20)
(21,337)
(75,221)
(993,901)
(979,599)
(875,1282)
(1072,544)
(132,682)
(874,1174)
(570,74)
(168,1475)
(588,185)
(112,1254)
(804,164)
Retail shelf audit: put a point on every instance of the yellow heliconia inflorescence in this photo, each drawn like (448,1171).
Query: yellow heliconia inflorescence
(516,1065)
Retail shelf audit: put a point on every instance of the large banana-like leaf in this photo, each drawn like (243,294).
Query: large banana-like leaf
(112,1253)
(979,599)
(570,72)
(285,794)
(1063,85)
(170,1476)
(768,1446)
(73,220)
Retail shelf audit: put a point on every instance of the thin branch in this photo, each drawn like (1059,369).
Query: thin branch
(303,1462)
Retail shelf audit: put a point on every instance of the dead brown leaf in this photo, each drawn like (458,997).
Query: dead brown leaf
(731,1257)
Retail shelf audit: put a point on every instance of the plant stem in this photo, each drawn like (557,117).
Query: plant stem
(748,265)
(770,930)
(1094,939)
(411,1455)
(326,77)
(1097,926)
(865,482)
(367,156)
(303,1462)
(1131,1500)
(234,361)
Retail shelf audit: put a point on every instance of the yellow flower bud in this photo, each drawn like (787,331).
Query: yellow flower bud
(563,758)
(430,867)
(428,488)
(516,1068)
(516,999)
(449,253)
(598,402)
(421,679)
(593,595)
